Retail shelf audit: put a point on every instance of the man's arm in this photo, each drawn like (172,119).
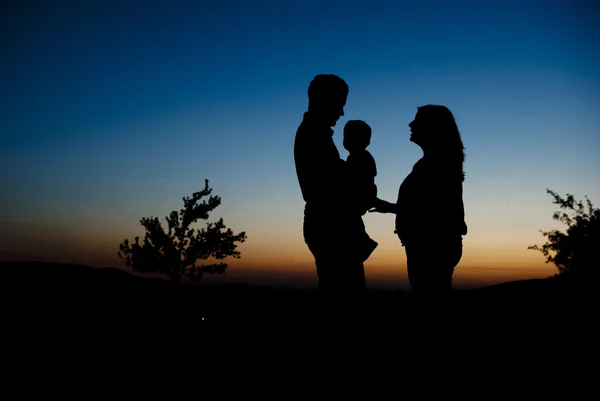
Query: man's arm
(325,174)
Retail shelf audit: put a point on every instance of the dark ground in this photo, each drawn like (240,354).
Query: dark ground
(46,289)
(74,329)
(77,303)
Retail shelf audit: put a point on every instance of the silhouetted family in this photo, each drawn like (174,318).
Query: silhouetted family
(430,216)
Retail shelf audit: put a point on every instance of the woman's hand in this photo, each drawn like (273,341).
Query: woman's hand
(381,206)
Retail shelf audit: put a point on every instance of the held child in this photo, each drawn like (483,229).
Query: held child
(362,170)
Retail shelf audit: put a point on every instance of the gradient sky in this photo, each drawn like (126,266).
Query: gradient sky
(112,111)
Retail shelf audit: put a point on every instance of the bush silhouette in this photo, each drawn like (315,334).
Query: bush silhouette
(572,252)
(175,253)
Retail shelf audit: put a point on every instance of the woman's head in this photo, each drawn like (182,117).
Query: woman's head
(435,131)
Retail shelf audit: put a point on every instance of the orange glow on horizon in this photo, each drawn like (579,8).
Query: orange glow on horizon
(285,259)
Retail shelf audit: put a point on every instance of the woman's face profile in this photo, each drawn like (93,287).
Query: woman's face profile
(417,128)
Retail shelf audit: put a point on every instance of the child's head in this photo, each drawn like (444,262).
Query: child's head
(357,135)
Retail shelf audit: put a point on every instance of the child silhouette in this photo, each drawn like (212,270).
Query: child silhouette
(362,170)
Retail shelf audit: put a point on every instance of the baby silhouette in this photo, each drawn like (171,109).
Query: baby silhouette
(362,170)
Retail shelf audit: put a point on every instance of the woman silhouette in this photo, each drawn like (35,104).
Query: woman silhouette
(430,216)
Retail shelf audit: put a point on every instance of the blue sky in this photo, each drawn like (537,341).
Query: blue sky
(112,111)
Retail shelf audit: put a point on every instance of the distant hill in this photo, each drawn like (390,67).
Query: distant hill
(74,290)
(551,290)
(63,291)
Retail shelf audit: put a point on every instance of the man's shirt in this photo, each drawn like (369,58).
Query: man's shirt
(319,168)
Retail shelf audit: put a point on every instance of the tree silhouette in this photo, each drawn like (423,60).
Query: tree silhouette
(572,252)
(176,252)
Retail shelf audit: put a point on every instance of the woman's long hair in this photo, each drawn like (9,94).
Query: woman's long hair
(444,137)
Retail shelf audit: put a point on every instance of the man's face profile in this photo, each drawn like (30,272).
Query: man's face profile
(334,109)
(327,96)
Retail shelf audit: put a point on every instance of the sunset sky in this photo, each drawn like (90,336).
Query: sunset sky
(112,111)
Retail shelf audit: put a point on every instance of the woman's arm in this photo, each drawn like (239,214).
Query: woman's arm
(382,206)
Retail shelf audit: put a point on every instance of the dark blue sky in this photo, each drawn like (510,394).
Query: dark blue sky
(73,64)
(115,110)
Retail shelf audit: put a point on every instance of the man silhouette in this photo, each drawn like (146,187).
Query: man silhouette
(323,182)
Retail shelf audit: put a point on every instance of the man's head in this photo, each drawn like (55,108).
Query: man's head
(357,135)
(327,94)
